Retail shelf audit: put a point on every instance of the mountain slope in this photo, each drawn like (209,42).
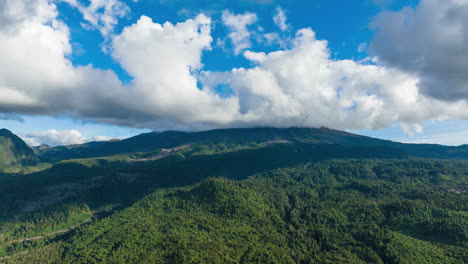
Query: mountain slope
(14,152)
(358,211)
(262,195)
(246,136)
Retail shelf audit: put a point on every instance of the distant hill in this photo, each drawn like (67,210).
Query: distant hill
(14,152)
(245,136)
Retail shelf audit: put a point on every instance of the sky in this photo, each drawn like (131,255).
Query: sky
(73,71)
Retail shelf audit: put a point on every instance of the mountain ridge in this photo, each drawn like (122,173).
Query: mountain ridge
(262,195)
(245,136)
(14,152)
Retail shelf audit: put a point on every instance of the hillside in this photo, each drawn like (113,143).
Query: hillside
(231,137)
(328,212)
(14,152)
(292,215)
(261,195)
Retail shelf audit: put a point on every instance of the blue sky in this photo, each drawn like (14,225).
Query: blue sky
(344,24)
(100,51)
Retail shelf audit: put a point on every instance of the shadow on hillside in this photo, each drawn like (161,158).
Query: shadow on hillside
(108,182)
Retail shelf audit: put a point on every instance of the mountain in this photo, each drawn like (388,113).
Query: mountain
(245,136)
(14,152)
(259,195)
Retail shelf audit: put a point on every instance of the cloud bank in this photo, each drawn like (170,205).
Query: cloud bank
(55,138)
(429,41)
(421,77)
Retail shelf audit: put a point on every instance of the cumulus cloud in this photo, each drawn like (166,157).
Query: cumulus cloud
(33,45)
(302,86)
(55,138)
(238,26)
(101,15)
(429,41)
(298,85)
(163,59)
(36,76)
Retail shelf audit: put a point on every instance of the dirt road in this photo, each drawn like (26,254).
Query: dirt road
(49,234)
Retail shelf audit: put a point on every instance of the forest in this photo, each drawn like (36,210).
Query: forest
(265,200)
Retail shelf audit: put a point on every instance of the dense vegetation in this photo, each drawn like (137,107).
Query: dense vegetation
(249,198)
(14,153)
(228,137)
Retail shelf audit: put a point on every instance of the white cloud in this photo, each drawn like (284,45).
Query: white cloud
(429,41)
(295,86)
(101,15)
(33,44)
(239,31)
(271,38)
(302,86)
(280,19)
(36,76)
(163,60)
(55,138)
